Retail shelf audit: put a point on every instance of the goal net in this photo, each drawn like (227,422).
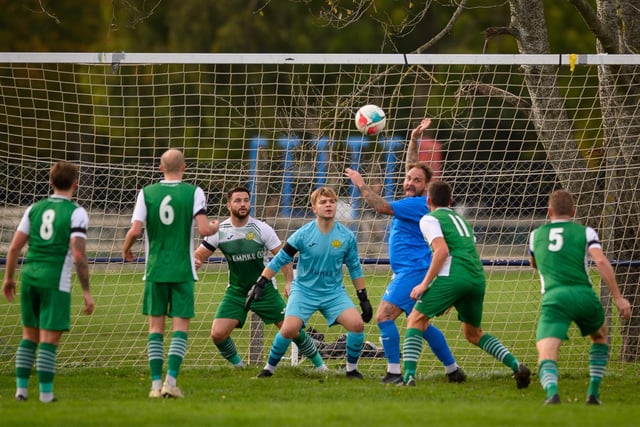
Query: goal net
(283,125)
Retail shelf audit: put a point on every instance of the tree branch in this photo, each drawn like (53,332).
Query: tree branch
(461,8)
(471,88)
(596,26)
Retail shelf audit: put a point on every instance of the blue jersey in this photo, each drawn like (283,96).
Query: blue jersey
(320,259)
(407,249)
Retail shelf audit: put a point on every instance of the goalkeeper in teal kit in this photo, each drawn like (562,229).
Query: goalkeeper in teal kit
(323,246)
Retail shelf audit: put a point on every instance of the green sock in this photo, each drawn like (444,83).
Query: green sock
(548,374)
(25,357)
(46,365)
(308,348)
(411,351)
(177,351)
(227,349)
(494,347)
(598,358)
(155,352)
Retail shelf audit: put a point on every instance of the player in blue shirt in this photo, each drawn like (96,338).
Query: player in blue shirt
(323,245)
(410,257)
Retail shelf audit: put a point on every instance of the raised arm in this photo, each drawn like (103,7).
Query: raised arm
(413,147)
(374,200)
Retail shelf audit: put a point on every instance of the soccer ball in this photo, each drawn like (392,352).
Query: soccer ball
(370,119)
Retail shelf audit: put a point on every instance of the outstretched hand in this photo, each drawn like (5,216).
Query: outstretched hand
(424,124)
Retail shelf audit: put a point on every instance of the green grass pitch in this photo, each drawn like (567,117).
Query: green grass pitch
(102,378)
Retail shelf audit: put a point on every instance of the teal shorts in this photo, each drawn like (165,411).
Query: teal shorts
(169,299)
(446,292)
(331,306)
(270,307)
(566,304)
(45,308)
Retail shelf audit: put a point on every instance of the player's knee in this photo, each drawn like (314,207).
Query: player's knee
(473,335)
(218,336)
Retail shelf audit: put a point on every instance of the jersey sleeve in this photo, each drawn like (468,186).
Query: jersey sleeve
(352,260)
(25,224)
(430,228)
(199,202)
(211,242)
(79,223)
(269,236)
(140,210)
(531,242)
(592,239)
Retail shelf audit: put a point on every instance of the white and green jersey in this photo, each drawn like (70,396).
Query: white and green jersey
(463,262)
(246,249)
(560,251)
(50,224)
(168,209)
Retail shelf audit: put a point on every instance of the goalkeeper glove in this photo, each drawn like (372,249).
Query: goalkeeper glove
(365,305)
(255,293)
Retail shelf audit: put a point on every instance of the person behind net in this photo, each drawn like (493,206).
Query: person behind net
(409,257)
(323,246)
(55,229)
(168,210)
(245,242)
(559,250)
(456,279)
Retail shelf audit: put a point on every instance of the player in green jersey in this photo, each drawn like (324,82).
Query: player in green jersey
(168,210)
(56,231)
(559,251)
(455,279)
(246,242)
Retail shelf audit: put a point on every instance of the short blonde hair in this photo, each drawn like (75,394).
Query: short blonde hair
(323,191)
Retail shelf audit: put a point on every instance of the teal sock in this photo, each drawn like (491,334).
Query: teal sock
(155,352)
(494,347)
(598,358)
(411,350)
(46,366)
(355,342)
(278,349)
(548,374)
(177,351)
(25,358)
(228,350)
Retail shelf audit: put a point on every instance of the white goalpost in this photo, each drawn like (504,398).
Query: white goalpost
(282,124)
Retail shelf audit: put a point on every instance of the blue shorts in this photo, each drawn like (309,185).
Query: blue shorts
(399,289)
(303,307)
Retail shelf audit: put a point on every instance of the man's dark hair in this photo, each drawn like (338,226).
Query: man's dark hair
(238,189)
(440,194)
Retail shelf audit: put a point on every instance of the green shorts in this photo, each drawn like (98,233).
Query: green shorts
(45,308)
(561,306)
(270,307)
(169,299)
(446,292)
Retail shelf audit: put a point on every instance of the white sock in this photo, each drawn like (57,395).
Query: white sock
(22,392)
(394,368)
(170,381)
(46,397)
